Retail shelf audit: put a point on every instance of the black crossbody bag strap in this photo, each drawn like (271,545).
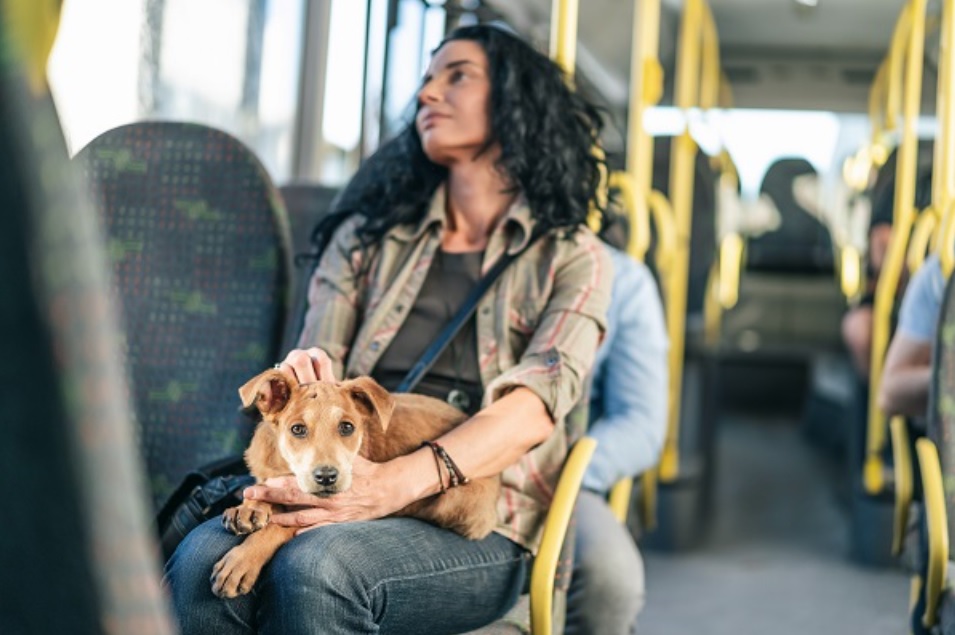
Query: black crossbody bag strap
(434,350)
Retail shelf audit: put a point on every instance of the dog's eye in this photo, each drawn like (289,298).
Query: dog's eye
(346,428)
(298,430)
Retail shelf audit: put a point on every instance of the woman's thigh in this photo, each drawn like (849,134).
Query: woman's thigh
(396,575)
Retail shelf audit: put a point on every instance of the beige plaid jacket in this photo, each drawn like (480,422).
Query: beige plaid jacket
(538,326)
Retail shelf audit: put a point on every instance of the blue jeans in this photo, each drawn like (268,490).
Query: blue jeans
(395,575)
(607,588)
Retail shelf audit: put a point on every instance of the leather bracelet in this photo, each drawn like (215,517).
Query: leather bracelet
(437,466)
(457,477)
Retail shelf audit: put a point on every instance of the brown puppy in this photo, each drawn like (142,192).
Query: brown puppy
(313,432)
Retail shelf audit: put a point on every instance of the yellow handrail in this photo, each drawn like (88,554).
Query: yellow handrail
(731,262)
(946,245)
(555,530)
(937,520)
(563,34)
(696,31)
(646,88)
(619,499)
(33,28)
(943,174)
(850,271)
(914,13)
(904,485)
(925,227)
(663,220)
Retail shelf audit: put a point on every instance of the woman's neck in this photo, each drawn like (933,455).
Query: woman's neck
(477,199)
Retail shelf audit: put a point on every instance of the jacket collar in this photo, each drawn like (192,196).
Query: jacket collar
(517,219)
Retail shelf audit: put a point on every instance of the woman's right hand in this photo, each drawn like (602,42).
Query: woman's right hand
(309,365)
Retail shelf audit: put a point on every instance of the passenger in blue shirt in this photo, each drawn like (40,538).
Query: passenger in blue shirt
(628,412)
(904,387)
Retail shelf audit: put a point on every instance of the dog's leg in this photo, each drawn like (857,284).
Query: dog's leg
(238,570)
(248,517)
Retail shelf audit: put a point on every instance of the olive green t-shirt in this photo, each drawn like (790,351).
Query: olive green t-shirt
(455,376)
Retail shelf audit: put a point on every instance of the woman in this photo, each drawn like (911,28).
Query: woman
(499,146)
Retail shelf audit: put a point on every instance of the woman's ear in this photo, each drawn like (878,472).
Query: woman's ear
(370,397)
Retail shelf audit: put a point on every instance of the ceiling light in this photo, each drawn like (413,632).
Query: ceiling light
(807,3)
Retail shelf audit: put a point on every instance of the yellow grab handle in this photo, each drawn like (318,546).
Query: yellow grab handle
(925,227)
(555,530)
(937,520)
(903,481)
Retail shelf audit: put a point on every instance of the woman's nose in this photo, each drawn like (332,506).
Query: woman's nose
(429,93)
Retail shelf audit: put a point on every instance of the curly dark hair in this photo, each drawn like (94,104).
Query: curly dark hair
(546,132)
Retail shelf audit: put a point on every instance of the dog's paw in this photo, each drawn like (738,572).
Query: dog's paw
(246,518)
(235,574)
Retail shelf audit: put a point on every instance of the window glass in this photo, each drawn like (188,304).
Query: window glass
(231,64)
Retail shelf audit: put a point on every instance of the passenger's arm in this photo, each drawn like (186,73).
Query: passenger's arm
(633,394)
(904,387)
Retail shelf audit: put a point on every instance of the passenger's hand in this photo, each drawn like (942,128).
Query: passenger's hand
(368,498)
(309,365)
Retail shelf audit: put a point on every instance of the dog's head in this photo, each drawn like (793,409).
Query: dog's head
(320,427)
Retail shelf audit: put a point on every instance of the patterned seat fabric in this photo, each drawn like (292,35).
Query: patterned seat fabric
(199,246)
(941,424)
(76,551)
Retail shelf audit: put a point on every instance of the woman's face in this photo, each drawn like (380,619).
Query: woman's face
(454,103)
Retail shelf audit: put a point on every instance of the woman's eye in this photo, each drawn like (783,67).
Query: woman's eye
(299,430)
(346,428)
(456,76)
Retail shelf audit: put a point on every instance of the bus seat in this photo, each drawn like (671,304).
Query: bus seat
(938,477)
(198,241)
(702,222)
(543,609)
(76,550)
(801,243)
(307,204)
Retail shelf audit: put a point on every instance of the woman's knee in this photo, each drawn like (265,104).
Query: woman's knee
(325,558)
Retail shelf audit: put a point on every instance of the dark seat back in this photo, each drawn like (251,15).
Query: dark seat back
(307,204)
(802,243)
(199,245)
(941,409)
(702,221)
(75,552)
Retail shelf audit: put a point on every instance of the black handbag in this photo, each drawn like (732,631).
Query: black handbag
(210,490)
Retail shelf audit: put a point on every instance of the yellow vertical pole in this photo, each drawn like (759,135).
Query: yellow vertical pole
(943,173)
(563,34)
(873,476)
(682,161)
(646,88)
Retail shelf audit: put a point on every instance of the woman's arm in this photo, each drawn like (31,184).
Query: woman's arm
(525,401)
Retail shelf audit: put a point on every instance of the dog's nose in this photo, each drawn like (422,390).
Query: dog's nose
(325,475)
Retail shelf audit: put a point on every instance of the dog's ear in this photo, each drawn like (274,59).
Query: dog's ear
(372,398)
(269,391)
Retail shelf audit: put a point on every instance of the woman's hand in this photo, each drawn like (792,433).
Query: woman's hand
(368,498)
(309,365)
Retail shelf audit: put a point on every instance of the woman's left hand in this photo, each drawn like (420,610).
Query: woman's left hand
(368,498)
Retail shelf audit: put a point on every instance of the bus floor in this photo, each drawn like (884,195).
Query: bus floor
(776,557)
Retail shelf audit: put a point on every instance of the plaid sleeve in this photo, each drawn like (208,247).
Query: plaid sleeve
(559,357)
(333,297)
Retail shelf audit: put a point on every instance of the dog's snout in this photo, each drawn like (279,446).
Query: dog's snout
(325,475)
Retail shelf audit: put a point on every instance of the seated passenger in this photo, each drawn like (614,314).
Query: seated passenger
(904,387)
(857,322)
(628,415)
(500,145)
